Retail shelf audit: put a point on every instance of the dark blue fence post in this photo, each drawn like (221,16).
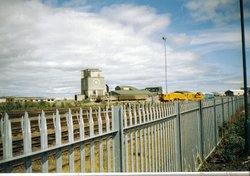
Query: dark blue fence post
(178,137)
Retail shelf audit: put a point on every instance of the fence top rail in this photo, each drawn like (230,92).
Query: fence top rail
(227,173)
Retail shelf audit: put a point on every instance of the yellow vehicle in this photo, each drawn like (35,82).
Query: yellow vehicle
(189,95)
(172,97)
(182,95)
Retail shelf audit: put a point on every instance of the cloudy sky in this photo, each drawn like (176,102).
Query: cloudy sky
(44,44)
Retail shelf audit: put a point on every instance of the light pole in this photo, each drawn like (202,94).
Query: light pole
(246,122)
(164,39)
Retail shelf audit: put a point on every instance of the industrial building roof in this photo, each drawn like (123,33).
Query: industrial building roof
(125,88)
(92,69)
(129,90)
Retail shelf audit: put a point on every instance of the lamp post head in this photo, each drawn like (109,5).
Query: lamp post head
(164,38)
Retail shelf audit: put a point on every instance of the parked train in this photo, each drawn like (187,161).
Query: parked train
(182,95)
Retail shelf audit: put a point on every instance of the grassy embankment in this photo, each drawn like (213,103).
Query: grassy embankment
(230,154)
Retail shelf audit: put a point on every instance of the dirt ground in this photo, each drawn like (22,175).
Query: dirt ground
(240,164)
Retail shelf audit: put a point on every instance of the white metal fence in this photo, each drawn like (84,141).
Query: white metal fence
(150,137)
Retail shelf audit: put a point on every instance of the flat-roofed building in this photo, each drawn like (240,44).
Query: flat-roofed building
(27,99)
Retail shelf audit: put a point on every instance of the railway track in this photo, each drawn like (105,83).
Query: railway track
(17,139)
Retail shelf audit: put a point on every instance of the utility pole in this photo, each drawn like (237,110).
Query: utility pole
(164,39)
(246,125)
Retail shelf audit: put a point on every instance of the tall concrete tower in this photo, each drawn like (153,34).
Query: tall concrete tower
(92,83)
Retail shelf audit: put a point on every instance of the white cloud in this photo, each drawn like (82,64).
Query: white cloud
(237,82)
(217,37)
(179,39)
(142,20)
(212,40)
(43,49)
(218,12)
(216,40)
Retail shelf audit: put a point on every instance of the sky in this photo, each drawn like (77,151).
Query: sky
(44,45)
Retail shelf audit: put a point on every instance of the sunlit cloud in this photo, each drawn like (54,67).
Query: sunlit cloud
(43,47)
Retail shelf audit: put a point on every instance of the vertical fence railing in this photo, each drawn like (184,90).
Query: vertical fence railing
(6,134)
(92,146)
(58,136)
(107,120)
(82,136)
(148,137)
(70,128)
(44,140)
(27,147)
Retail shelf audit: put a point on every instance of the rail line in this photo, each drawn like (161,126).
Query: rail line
(17,141)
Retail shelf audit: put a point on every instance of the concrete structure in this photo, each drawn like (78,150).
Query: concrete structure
(234,92)
(92,83)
